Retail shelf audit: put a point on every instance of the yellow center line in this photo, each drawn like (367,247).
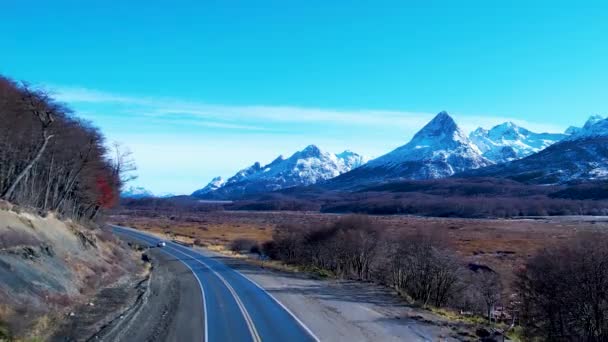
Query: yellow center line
(252,330)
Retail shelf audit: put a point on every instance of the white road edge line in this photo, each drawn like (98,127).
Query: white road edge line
(274,299)
(200,284)
(283,306)
(248,320)
(261,288)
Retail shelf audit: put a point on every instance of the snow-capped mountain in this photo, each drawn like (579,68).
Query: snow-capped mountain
(136,192)
(305,167)
(507,142)
(215,184)
(580,156)
(596,126)
(438,150)
(351,159)
(572,130)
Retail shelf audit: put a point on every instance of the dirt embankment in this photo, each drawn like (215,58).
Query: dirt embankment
(50,267)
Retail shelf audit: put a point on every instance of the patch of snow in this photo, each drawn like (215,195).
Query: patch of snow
(136,192)
(508,141)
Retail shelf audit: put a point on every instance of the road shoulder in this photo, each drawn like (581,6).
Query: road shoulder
(170,310)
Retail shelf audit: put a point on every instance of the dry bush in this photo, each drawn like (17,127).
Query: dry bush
(353,247)
(244,246)
(564,291)
(424,269)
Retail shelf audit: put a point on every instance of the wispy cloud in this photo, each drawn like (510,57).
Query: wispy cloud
(235,117)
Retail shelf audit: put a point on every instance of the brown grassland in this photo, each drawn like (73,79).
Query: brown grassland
(501,244)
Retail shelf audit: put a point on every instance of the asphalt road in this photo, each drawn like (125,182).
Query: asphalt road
(234,308)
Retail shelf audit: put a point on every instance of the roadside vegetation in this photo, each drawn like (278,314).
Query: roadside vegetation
(51,160)
(564,291)
(561,294)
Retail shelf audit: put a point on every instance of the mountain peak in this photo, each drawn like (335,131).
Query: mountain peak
(508,125)
(596,126)
(438,150)
(442,122)
(593,119)
(441,130)
(442,118)
(136,192)
(508,141)
(311,151)
(573,130)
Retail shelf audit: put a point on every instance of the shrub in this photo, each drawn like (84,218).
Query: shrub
(243,245)
(564,291)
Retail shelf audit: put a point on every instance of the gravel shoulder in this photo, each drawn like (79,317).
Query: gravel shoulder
(163,306)
(169,311)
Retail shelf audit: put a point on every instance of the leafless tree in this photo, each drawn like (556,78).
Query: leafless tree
(50,159)
(564,291)
(489,287)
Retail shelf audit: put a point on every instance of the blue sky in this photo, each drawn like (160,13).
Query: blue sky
(203,88)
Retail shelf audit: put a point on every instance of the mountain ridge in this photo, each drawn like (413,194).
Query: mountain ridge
(305,167)
(507,141)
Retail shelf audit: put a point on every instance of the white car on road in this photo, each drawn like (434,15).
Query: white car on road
(161,244)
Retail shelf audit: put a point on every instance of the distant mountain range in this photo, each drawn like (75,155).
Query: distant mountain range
(136,192)
(305,167)
(581,156)
(439,150)
(507,142)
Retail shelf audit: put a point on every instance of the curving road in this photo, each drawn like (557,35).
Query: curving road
(234,308)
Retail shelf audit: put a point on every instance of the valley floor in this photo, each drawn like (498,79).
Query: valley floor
(501,244)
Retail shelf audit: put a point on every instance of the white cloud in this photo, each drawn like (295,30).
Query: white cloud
(283,114)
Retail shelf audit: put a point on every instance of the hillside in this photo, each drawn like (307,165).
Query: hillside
(49,266)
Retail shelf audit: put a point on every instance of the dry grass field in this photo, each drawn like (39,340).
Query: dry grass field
(502,245)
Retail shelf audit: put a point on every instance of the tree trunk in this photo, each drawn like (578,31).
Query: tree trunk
(9,193)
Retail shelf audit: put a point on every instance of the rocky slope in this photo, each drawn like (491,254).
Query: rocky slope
(48,265)
(305,167)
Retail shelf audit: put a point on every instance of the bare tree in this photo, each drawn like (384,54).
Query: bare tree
(123,163)
(51,160)
(564,291)
(489,288)
(39,105)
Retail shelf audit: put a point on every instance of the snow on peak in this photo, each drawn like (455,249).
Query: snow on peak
(438,150)
(508,141)
(593,119)
(304,167)
(596,126)
(351,159)
(215,184)
(572,130)
(136,192)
